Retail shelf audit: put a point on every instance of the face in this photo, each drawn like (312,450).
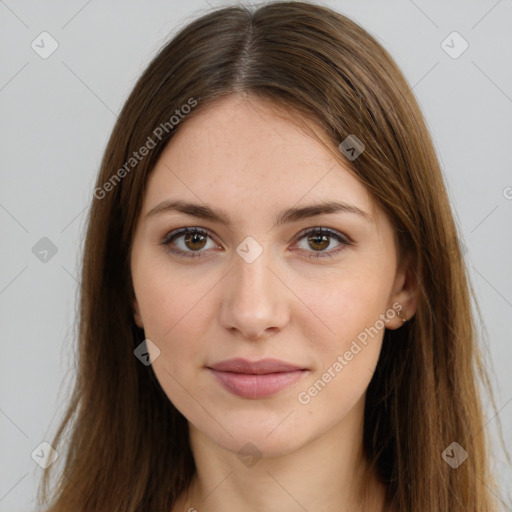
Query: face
(258,276)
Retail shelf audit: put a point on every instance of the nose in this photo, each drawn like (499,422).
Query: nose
(255,299)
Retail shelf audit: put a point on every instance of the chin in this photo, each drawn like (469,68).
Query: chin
(258,445)
(258,433)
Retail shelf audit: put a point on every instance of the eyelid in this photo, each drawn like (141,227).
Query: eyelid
(324,230)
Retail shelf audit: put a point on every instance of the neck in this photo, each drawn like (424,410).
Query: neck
(325,474)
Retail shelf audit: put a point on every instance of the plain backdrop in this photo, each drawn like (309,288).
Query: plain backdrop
(57,114)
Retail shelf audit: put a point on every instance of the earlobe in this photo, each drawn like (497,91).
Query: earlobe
(136,314)
(404,309)
(401,315)
(403,300)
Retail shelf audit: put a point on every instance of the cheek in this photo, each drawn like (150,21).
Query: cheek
(347,348)
(344,304)
(345,358)
(175,311)
(166,306)
(171,302)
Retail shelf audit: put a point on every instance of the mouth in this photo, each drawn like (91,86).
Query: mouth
(258,379)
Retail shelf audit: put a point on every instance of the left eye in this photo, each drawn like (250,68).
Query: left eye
(191,241)
(320,239)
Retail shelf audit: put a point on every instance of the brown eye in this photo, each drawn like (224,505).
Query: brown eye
(188,242)
(319,239)
(318,242)
(195,241)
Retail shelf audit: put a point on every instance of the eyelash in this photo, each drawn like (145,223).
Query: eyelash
(173,235)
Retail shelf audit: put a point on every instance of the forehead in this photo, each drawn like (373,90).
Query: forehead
(253,154)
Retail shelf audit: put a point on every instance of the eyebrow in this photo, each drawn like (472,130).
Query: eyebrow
(288,215)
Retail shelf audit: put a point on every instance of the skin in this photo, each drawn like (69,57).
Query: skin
(240,156)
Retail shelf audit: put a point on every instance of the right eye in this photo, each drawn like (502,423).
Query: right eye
(190,243)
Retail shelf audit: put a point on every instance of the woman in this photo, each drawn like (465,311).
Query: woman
(276,314)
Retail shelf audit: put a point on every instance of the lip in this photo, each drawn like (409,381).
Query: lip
(256,379)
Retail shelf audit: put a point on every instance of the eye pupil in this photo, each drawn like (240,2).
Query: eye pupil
(319,240)
(195,238)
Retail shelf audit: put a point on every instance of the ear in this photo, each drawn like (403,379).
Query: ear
(136,314)
(404,293)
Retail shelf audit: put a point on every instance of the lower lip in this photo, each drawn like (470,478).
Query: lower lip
(256,386)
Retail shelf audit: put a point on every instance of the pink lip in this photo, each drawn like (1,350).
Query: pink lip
(257,379)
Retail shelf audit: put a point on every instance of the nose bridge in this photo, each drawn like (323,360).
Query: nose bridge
(254,299)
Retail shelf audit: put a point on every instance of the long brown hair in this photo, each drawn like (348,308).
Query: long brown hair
(127,446)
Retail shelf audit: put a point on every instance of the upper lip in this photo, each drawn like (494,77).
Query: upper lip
(263,366)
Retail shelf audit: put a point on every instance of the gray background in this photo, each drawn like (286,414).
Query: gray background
(57,114)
